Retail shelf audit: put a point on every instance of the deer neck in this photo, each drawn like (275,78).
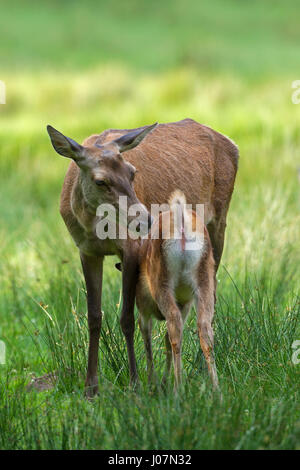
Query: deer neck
(84,204)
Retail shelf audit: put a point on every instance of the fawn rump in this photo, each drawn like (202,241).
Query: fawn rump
(177,268)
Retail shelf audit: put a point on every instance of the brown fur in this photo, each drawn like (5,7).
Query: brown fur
(185,155)
(168,295)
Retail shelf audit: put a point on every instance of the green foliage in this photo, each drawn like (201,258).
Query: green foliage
(87,66)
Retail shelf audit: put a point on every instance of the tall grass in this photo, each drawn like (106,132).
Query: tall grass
(260,385)
(234,89)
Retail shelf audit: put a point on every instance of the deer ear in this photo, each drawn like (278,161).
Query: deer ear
(132,139)
(66,146)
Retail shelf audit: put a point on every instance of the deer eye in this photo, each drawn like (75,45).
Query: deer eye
(104,184)
(100,183)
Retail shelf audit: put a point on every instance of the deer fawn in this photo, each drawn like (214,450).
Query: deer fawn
(175,269)
(185,155)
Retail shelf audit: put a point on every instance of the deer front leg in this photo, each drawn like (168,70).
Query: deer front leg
(168,359)
(145,323)
(216,230)
(129,280)
(92,269)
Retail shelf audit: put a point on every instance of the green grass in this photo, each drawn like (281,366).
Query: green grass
(247,37)
(138,64)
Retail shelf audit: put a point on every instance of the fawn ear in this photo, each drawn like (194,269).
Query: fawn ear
(132,139)
(66,146)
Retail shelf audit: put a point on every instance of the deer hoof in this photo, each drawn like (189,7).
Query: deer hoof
(91,388)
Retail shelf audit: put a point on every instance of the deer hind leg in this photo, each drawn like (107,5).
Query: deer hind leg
(184,313)
(175,329)
(205,313)
(172,314)
(216,231)
(145,324)
(92,270)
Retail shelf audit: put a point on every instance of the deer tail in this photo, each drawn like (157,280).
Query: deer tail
(177,204)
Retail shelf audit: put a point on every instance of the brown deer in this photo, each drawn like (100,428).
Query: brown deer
(185,155)
(176,267)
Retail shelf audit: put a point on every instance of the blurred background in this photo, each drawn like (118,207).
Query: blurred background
(86,66)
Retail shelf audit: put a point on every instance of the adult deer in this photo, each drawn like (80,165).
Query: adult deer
(183,155)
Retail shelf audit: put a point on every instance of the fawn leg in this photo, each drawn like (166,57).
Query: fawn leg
(175,329)
(92,267)
(205,310)
(184,313)
(172,314)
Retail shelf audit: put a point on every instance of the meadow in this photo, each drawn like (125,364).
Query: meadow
(87,66)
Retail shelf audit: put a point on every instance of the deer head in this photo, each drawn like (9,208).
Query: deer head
(105,175)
